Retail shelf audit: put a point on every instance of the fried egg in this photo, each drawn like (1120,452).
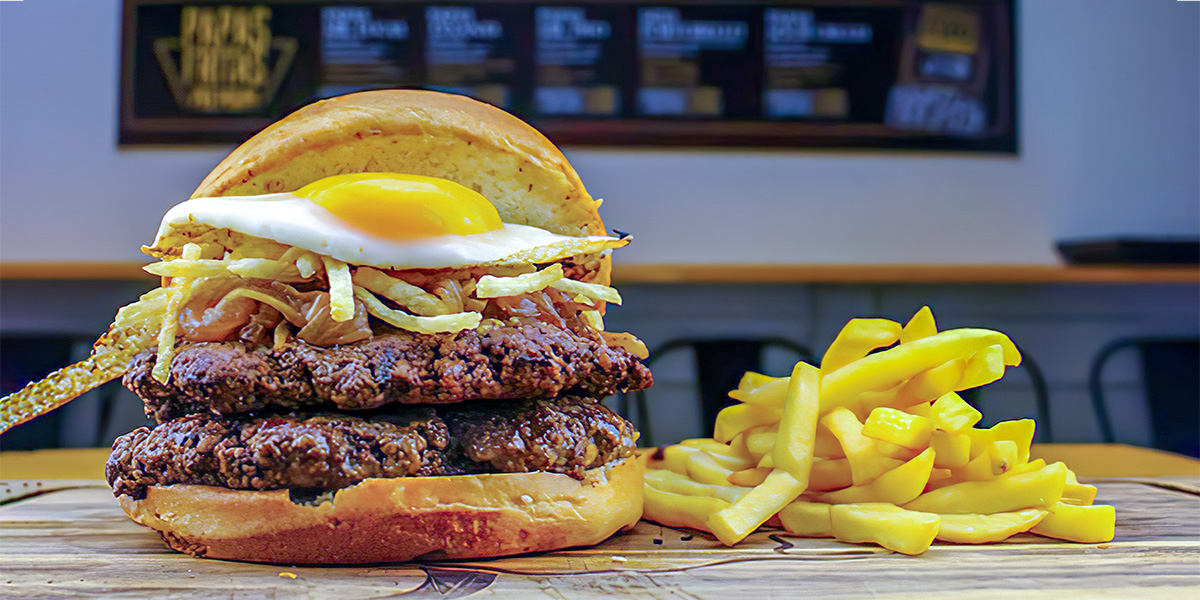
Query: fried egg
(384,220)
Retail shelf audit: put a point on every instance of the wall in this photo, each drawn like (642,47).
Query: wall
(1110,141)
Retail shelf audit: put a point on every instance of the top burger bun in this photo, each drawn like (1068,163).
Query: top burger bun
(415,132)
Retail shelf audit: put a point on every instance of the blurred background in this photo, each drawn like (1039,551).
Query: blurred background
(1028,166)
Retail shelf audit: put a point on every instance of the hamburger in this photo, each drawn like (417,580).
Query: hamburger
(379,337)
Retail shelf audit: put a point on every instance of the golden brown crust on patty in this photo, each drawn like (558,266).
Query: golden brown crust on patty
(386,520)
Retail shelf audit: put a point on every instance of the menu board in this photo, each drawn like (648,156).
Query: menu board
(870,73)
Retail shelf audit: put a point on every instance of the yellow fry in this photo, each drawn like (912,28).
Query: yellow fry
(735,419)
(677,510)
(761,390)
(865,462)
(951,413)
(733,524)
(438,324)
(1038,489)
(670,481)
(898,486)
(178,293)
(921,325)
(341,289)
(858,338)
(749,477)
(807,519)
(953,449)
(1019,432)
(1078,494)
(798,425)
(933,383)
(899,530)
(703,468)
(829,474)
(490,286)
(983,529)
(898,427)
(985,366)
(760,443)
(415,299)
(886,369)
(593,291)
(1084,524)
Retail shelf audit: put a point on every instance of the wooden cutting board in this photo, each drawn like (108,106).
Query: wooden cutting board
(69,538)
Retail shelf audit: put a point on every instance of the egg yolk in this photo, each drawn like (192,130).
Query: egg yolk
(403,207)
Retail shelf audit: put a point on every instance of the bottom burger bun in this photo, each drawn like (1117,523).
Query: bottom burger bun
(385,520)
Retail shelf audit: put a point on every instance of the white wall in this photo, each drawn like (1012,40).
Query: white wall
(1110,136)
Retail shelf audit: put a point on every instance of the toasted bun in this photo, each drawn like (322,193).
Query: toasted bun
(385,520)
(422,133)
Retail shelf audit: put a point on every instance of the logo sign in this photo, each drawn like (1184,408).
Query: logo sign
(204,71)
(222,60)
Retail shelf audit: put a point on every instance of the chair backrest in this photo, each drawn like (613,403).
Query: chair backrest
(1172,384)
(720,364)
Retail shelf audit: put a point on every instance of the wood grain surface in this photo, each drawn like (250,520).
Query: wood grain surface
(69,539)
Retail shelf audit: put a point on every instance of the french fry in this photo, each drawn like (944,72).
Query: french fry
(759,441)
(438,324)
(826,444)
(749,477)
(178,293)
(899,428)
(593,291)
(807,519)
(1038,489)
(725,455)
(951,413)
(490,286)
(953,449)
(674,458)
(1019,432)
(678,510)
(921,325)
(1078,494)
(704,468)
(858,338)
(920,409)
(670,481)
(1084,524)
(898,486)
(415,299)
(341,289)
(888,368)
(798,425)
(899,530)
(983,529)
(829,474)
(761,390)
(985,366)
(735,419)
(733,524)
(897,452)
(865,462)
(932,383)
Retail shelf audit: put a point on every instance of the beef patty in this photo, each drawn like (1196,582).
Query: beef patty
(527,359)
(322,452)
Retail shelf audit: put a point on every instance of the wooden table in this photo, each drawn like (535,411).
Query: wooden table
(63,537)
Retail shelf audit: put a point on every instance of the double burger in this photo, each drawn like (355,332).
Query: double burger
(379,337)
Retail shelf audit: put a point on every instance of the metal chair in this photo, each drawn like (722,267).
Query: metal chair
(720,364)
(1172,384)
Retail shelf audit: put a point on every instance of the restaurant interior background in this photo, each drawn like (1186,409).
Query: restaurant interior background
(730,242)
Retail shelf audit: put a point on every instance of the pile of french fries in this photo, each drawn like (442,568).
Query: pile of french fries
(875,447)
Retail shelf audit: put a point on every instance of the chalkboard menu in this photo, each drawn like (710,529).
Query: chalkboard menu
(824,73)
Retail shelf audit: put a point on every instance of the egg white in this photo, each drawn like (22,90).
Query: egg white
(295,221)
